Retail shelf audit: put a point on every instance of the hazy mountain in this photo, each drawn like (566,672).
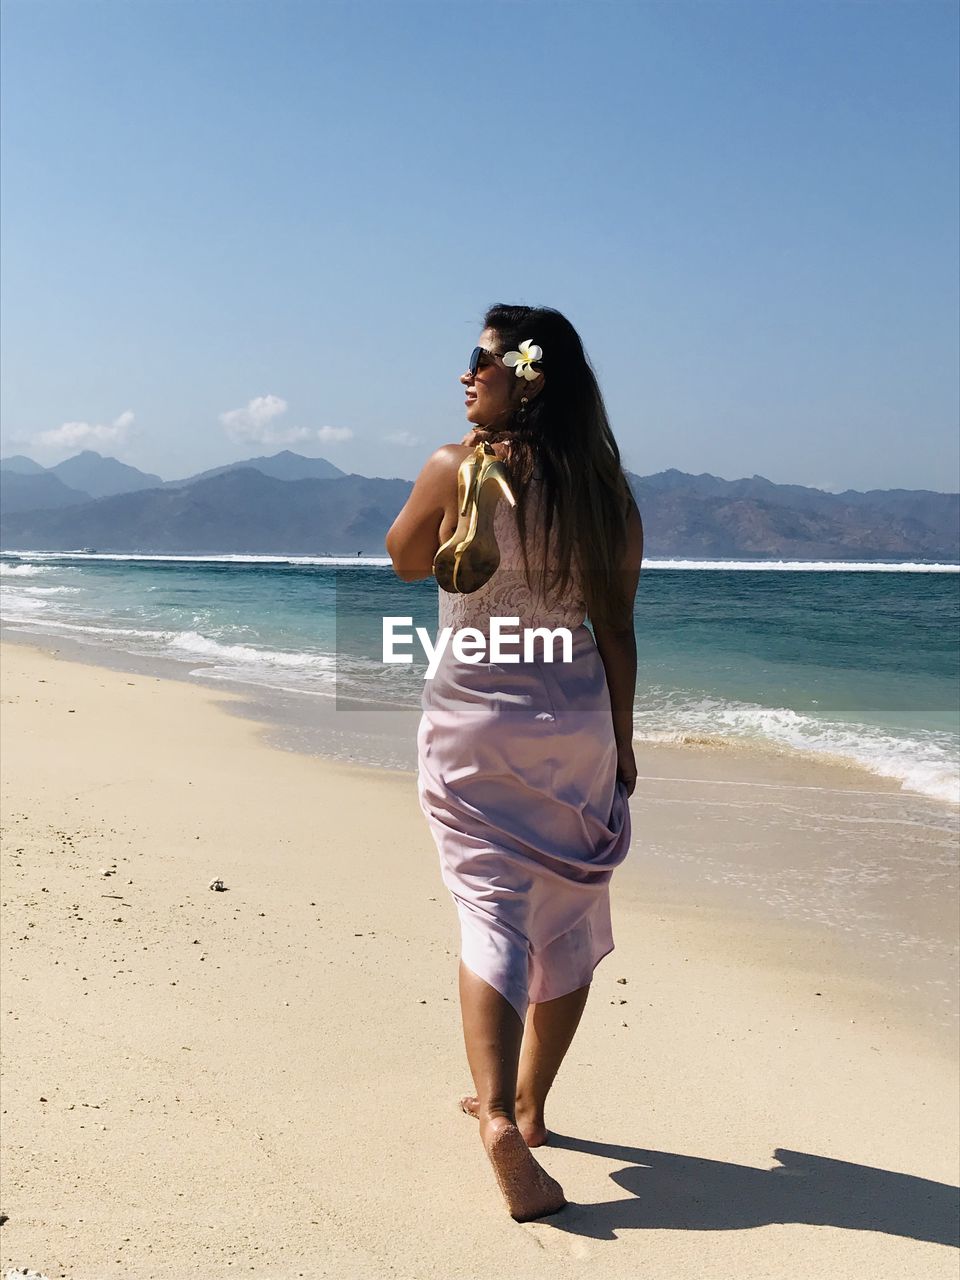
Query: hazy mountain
(282,466)
(21,491)
(101,477)
(22,465)
(707,516)
(241,509)
(921,504)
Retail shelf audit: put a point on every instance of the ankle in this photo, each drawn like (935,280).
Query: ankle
(529,1106)
(495,1111)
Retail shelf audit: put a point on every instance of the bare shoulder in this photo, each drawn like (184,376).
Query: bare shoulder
(447,457)
(441,465)
(456,452)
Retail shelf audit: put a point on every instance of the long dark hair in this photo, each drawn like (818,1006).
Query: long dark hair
(567,430)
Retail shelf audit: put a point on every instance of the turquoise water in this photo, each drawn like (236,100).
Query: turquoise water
(860,663)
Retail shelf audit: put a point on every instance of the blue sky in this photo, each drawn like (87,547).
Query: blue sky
(233,228)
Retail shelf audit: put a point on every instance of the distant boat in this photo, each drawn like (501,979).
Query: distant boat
(93,549)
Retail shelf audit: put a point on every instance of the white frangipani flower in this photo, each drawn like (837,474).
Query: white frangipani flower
(524,359)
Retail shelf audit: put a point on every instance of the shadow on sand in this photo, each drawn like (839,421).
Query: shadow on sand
(675,1192)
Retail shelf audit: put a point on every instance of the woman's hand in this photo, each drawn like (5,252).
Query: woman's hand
(474,436)
(500,447)
(627,766)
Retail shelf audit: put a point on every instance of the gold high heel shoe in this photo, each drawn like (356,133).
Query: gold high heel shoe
(444,562)
(477,558)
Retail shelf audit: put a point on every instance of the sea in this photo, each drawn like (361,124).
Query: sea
(837,660)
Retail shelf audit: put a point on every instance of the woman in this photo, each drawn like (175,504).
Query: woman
(525,767)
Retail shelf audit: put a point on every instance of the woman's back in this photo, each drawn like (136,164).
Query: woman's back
(506,594)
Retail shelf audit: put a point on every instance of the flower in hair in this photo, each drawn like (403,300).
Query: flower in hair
(524,360)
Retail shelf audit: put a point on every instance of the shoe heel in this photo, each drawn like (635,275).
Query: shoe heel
(495,471)
(505,487)
(466,483)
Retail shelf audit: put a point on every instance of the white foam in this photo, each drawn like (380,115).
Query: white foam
(926,763)
(807,566)
(194,642)
(22,570)
(107,631)
(379,561)
(15,605)
(236,662)
(792,566)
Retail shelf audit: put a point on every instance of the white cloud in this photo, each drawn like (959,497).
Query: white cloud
(245,424)
(73,435)
(254,425)
(402,437)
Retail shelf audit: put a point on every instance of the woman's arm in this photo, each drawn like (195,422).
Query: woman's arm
(618,652)
(414,537)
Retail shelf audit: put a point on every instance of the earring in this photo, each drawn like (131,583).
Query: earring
(522,413)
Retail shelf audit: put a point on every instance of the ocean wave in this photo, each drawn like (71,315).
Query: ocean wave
(240,662)
(807,566)
(378,561)
(87,629)
(927,763)
(16,606)
(195,643)
(727,565)
(23,570)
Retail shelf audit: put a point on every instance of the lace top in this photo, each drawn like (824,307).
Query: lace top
(506,594)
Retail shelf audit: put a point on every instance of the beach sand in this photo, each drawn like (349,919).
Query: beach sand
(264,1080)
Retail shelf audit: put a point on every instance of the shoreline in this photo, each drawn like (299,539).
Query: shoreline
(707,823)
(292,713)
(200,1082)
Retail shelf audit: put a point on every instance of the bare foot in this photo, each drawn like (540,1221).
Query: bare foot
(534,1131)
(527,1188)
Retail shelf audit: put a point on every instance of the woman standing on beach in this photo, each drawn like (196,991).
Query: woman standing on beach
(525,767)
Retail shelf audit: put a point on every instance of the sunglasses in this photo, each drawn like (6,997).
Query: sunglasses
(481,358)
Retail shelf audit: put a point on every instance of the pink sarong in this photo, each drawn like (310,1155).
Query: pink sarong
(517,781)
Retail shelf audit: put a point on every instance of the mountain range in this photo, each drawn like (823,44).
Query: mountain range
(288,504)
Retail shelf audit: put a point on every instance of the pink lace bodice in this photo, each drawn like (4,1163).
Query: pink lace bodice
(507,594)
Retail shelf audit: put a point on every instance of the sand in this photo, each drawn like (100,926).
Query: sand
(264,1080)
